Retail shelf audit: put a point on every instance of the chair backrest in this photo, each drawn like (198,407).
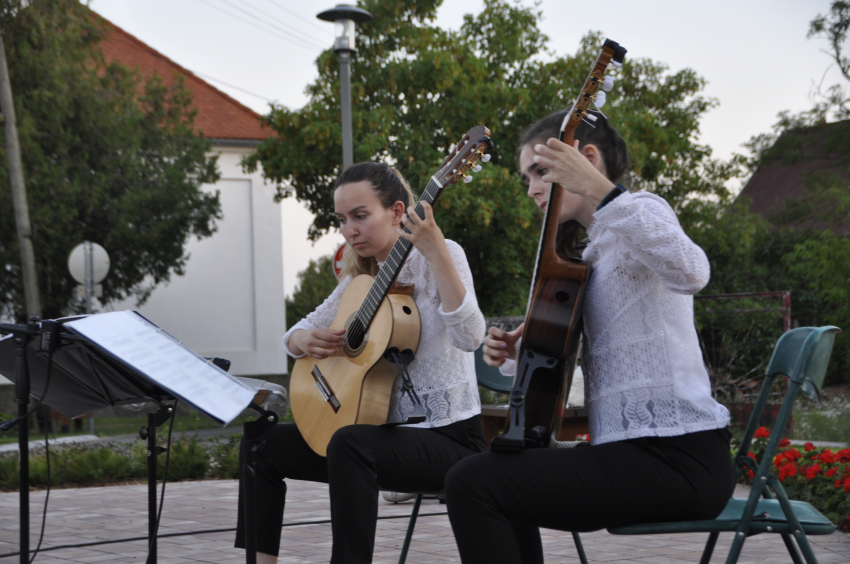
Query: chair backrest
(490,377)
(802,355)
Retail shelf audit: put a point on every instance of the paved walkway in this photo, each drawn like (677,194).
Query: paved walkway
(90,515)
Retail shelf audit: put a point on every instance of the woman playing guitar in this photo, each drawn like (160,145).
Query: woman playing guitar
(660,446)
(372,202)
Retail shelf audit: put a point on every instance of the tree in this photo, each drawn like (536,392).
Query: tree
(315,284)
(417,88)
(106,159)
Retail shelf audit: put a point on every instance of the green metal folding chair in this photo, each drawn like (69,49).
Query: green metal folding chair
(802,355)
(491,379)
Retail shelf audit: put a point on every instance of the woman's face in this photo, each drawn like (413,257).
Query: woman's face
(366,224)
(538,190)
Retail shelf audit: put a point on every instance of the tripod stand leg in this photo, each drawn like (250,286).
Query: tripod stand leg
(22,395)
(155,419)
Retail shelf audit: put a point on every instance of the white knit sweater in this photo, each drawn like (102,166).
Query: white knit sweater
(643,368)
(443,372)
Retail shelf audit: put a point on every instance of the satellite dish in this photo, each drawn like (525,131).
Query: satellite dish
(77,263)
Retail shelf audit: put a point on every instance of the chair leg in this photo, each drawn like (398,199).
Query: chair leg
(737,546)
(709,548)
(409,536)
(792,550)
(579,548)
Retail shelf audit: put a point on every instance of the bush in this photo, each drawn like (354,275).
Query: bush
(225,457)
(820,476)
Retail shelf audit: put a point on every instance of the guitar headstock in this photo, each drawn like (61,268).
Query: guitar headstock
(469,149)
(612,53)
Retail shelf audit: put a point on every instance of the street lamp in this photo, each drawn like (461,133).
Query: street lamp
(345,17)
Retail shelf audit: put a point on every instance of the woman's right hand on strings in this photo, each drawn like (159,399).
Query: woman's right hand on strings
(316,343)
(500,346)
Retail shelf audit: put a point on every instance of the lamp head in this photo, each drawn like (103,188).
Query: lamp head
(345,16)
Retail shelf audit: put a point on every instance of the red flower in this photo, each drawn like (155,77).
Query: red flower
(814,470)
(762,432)
(792,454)
(784,443)
(827,457)
(844,455)
(847,485)
(831,473)
(808,446)
(787,471)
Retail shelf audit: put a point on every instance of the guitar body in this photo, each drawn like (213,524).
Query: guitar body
(360,380)
(554,326)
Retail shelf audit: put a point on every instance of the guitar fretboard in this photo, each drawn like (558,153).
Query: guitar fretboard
(388,272)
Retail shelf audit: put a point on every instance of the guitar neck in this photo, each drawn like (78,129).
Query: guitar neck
(390,269)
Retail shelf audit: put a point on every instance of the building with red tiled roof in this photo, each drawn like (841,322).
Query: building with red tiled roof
(220,117)
(230,301)
(784,179)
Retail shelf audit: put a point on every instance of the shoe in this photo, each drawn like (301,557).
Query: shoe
(396,497)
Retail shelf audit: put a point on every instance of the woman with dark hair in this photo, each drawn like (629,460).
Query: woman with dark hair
(372,202)
(659,446)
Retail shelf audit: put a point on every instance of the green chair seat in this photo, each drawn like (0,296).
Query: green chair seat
(768,518)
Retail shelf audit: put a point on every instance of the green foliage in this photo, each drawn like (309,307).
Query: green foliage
(189,459)
(107,158)
(315,284)
(417,88)
(828,421)
(225,457)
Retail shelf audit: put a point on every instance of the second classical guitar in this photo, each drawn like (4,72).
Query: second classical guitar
(553,321)
(378,315)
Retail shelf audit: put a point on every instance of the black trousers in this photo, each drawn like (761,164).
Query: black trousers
(497,501)
(362,459)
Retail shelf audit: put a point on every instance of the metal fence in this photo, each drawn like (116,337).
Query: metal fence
(737,333)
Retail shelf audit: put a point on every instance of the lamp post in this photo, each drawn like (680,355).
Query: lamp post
(345,17)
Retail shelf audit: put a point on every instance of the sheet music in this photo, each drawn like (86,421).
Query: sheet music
(154,353)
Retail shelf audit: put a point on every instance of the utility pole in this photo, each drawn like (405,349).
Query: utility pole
(19,191)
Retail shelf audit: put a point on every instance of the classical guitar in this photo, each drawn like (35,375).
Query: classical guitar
(379,316)
(553,321)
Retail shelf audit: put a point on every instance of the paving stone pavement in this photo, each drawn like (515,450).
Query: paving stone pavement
(89,515)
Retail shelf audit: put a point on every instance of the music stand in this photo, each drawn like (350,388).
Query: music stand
(106,360)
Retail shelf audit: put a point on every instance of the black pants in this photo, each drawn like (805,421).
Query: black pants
(497,501)
(362,459)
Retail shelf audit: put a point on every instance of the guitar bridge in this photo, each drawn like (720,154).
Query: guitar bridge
(325,389)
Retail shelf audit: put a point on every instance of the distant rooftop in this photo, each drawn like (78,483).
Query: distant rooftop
(776,182)
(219,116)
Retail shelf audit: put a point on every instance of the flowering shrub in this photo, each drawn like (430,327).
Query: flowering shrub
(820,476)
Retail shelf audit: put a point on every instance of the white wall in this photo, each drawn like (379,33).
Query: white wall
(230,302)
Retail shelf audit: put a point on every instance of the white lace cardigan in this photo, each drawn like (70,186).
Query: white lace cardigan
(443,372)
(643,368)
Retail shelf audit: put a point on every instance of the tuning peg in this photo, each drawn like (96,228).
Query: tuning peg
(600,99)
(591,117)
(608,83)
(467,179)
(476,168)
(485,158)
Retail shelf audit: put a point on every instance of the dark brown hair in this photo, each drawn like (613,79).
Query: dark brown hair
(615,156)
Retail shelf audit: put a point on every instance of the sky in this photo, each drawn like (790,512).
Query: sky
(754,55)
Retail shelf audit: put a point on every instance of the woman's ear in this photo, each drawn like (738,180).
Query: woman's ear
(398,211)
(594,155)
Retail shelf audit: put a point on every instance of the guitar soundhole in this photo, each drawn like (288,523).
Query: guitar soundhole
(562,297)
(356,337)
(406,310)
